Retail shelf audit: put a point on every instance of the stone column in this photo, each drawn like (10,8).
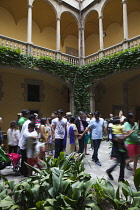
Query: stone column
(101,32)
(72,108)
(58,37)
(125,24)
(29,26)
(92,100)
(81,43)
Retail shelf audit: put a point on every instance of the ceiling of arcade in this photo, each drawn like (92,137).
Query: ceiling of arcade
(69,26)
(18,9)
(91,24)
(112,13)
(44,15)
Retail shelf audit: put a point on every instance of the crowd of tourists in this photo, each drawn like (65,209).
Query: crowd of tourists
(36,138)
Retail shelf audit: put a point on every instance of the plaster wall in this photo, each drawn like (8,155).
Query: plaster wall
(110,97)
(133,24)
(13,100)
(92,44)
(70,41)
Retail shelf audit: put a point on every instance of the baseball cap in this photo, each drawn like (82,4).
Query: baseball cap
(68,113)
(24,111)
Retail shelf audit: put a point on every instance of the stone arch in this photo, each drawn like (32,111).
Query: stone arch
(117,81)
(8,19)
(67,11)
(91,26)
(126,85)
(52,5)
(112,8)
(85,16)
(69,33)
(103,5)
(39,75)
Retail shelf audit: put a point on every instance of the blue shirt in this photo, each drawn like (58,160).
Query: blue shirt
(96,127)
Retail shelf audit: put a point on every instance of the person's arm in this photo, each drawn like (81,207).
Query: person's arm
(17,135)
(42,131)
(53,131)
(104,130)
(85,131)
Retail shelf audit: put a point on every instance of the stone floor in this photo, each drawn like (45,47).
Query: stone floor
(90,167)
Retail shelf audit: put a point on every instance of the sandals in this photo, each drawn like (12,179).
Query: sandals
(128,167)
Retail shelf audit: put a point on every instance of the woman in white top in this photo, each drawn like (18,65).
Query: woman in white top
(13,135)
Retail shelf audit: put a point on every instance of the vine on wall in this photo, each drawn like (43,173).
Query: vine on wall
(81,78)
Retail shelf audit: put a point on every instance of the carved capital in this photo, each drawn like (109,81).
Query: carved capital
(58,19)
(124,1)
(30,3)
(100,17)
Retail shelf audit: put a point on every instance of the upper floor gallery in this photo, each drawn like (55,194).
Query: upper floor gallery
(85,30)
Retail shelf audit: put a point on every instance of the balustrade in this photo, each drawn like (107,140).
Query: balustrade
(38,51)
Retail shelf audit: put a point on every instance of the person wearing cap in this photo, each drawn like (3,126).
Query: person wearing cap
(97,127)
(19,115)
(1,135)
(54,115)
(24,117)
(68,116)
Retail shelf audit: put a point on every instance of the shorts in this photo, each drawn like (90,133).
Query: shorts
(86,138)
(133,149)
(32,161)
(119,136)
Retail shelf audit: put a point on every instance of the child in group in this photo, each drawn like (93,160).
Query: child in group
(118,134)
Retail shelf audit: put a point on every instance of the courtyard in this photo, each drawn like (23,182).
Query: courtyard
(90,167)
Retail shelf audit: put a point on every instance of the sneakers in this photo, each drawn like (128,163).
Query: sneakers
(109,175)
(121,180)
(121,150)
(98,163)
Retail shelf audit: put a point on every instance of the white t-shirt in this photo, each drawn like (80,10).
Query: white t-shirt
(60,126)
(13,136)
(24,129)
(31,150)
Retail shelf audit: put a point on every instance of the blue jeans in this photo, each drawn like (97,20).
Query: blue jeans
(96,145)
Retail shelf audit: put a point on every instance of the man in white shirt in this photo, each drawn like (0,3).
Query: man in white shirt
(58,132)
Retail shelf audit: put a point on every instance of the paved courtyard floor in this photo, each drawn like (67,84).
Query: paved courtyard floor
(90,167)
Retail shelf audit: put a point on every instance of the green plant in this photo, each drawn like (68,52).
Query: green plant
(80,78)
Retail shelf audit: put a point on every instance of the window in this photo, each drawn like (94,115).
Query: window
(33,93)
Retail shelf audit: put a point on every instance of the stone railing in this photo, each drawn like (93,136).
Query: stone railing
(37,51)
(127,44)
(13,43)
(113,49)
(92,58)
(134,42)
(69,58)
